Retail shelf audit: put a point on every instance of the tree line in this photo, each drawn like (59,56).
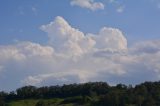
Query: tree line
(97,93)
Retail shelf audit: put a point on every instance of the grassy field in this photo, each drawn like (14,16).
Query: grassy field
(46,102)
(32,102)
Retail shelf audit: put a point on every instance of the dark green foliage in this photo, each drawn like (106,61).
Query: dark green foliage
(26,92)
(91,94)
(78,100)
(3,97)
(40,103)
(2,102)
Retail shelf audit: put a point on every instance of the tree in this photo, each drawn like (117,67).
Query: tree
(2,102)
(26,92)
(139,100)
(149,102)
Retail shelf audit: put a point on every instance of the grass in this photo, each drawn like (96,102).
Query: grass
(46,102)
(32,102)
(23,103)
(70,101)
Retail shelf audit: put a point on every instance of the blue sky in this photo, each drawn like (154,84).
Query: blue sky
(21,19)
(48,42)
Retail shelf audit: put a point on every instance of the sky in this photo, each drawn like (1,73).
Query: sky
(50,42)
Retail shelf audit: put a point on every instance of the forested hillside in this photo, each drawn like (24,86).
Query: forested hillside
(87,94)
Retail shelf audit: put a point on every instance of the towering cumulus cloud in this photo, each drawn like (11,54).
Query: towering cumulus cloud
(70,41)
(67,40)
(72,57)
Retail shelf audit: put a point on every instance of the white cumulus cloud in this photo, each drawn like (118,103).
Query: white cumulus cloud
(89,4)
(67,40)
(73,56)
(72,42)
